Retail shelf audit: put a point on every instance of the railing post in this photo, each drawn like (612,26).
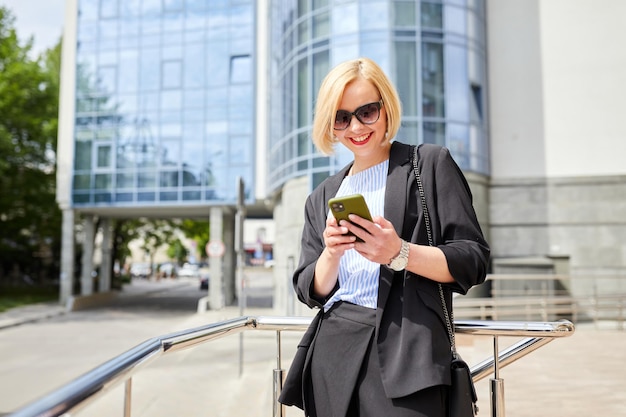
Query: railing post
(279,409)
(127,396)
(497,384)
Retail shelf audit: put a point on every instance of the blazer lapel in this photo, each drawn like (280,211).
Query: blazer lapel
(397,185)
(395,206)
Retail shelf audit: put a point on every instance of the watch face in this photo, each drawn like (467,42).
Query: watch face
(398,264)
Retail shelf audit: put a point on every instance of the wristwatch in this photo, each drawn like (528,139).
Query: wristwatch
(402,259)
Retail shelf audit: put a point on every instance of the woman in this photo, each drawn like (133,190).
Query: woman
(379,346)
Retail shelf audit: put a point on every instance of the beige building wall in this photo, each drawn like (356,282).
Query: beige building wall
(289,219)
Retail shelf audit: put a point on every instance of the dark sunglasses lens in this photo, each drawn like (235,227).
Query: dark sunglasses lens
(342,119)
(368,114)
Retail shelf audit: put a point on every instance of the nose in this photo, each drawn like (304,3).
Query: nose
(355,123)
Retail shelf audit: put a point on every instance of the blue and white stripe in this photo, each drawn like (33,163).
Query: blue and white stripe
(358,277)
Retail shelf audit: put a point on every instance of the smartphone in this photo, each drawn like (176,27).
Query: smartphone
(341,207)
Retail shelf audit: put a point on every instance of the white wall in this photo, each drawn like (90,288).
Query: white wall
(557,87)
(515,89)
(584,69)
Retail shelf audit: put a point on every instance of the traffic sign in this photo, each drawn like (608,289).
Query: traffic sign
(215,248)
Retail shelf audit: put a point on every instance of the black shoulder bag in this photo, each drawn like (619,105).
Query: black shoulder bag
(462,394)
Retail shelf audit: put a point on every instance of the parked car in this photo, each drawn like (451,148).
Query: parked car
(140,270)
(189,271)
(204,282)
(166,270)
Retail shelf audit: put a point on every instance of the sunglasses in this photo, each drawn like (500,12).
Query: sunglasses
(366,114)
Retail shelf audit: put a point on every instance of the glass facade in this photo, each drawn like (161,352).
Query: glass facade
(434,52)
(165,93)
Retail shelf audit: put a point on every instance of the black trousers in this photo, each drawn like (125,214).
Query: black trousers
(345,373)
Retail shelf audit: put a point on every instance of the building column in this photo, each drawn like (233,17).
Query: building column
(105,264)
(86,280)
(66,280)
(216,299)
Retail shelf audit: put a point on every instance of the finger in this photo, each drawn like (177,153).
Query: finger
(382,222)
(358,232)
(362,223)
(334,235)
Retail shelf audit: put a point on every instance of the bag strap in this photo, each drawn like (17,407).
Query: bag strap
(448,315)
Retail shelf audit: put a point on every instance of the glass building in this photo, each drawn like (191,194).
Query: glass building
(164,101)
(434,51)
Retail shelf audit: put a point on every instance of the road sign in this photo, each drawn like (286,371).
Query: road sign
(215,248)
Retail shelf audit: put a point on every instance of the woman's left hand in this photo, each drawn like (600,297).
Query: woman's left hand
(380,243)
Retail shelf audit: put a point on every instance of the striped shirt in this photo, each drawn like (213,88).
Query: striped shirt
(358,277)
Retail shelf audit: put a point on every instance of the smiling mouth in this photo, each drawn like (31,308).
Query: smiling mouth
(361,140)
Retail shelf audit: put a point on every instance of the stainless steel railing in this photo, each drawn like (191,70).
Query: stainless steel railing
(82,391)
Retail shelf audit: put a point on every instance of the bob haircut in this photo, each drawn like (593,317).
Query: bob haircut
(331,92)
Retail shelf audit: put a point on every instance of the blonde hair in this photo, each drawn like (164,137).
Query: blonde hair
(331,92)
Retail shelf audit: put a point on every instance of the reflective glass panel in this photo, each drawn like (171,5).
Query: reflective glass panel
(104,157)
(433,99)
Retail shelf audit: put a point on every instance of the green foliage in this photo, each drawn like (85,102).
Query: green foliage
(17,297)
(199,231)
(154,233)
(177,251)
(30,220)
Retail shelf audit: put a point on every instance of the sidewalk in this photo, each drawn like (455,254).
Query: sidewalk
(41,311)
(30,313)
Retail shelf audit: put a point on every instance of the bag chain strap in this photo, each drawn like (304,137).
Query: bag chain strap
(448,316)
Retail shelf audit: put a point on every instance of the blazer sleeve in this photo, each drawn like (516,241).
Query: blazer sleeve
(456,230)
(312,246)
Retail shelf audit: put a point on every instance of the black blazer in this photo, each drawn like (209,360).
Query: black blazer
(412,340)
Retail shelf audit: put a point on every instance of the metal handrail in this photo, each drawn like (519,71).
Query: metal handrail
(92,385)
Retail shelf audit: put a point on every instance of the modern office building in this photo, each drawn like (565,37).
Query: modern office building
(166,103)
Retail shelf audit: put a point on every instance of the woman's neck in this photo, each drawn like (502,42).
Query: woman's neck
(361,164)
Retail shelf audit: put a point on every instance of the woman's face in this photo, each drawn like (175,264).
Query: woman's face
(367,142)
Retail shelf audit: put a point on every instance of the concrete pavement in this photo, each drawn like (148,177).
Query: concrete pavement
(575,376)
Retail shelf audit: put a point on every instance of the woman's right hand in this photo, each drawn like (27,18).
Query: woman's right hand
(336,239)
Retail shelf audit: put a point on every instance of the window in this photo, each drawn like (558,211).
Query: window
(108,9)
(431,16)
(404,14)
(406,77)
(433,99)
(172,5)
(107,79)
(171,74)
(240,69)
(104,157)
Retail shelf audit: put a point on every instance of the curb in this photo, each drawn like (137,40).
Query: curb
(40,311)
(30,314)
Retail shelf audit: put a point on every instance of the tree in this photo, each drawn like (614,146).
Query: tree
(30,220)
(153,233)
(199,231)
(177,251)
